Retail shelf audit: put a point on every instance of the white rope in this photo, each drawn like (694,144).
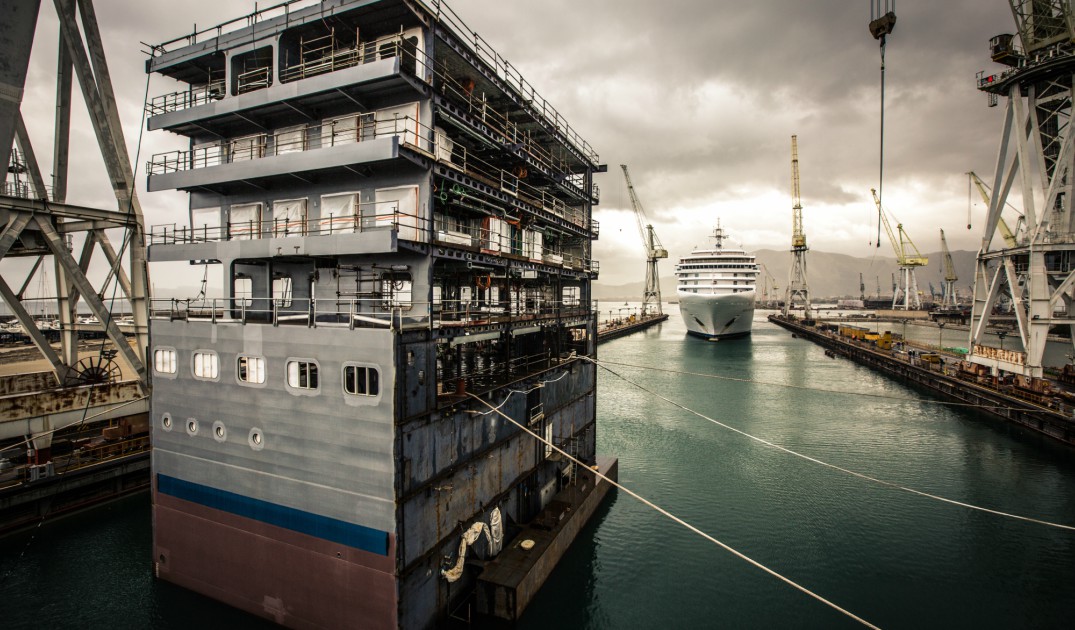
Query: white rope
(834,466)
(678,520)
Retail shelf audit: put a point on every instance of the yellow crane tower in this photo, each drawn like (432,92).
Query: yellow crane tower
(797,286)
(948,293)
(651,296)
(907,257)
(1010,239)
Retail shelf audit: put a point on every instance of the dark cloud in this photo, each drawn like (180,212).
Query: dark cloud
(698,97)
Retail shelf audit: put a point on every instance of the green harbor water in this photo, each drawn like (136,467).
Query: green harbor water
(893,558)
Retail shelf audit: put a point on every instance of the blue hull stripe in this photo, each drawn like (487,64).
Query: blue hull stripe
(357,536)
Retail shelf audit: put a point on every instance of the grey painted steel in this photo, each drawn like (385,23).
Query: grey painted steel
(22,138)
(379,70)
(380,149)
(18,19)
(421,462)
(320,454)
(62,126)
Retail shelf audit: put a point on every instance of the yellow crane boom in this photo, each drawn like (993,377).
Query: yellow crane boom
(903,246)
(983,190)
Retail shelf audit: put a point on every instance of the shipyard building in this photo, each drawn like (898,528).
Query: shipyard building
(403,229)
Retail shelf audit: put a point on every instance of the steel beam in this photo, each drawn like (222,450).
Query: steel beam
(30,328)
(18,20)
(93,301)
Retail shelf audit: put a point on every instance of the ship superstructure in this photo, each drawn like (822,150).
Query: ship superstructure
(402,224)
(716,287)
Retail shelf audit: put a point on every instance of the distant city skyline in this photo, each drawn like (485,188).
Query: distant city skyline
(698,98)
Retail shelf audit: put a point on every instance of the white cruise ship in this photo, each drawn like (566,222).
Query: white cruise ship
(716,287)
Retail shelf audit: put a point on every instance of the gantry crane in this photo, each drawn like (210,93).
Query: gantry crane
(907,257)
(651,296)
(797,286)
(948,292)
(1010,238)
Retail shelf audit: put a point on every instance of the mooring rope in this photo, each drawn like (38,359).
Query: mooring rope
(675,518)
(808,458)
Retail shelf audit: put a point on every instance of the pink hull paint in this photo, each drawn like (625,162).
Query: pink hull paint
(296,580)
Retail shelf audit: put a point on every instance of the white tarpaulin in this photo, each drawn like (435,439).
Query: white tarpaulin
(338,213)
(289,217)
(494,536)
(244,221)
(399,206)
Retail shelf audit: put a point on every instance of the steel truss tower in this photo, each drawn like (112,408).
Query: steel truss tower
(38,223)
(1036,273)
(798,290)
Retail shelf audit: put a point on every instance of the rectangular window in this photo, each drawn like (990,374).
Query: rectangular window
(346,130)
(291,140)
(244,221)
(289,217)
(281,291)
(206,364)
(339,213)
(548,440)
(206,224)
(164,361)
(251,369)
(361,381)
(247,148)
(302,374)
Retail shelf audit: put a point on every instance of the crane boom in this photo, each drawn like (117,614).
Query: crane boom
(651,298)
(1002,225)
(949,268)
(903,245)
(798,237)
(948,293)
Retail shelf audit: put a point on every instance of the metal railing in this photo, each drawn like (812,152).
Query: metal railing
(256,147)
(390,312)
(507,73)
(283,9)
(196,94)
(377,215)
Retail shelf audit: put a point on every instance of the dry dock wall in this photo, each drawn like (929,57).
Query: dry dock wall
(987,401)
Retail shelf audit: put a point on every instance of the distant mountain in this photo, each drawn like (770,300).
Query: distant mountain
(829,275)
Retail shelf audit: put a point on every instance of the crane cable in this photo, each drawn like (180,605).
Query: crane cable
(881,161)
(814,460)
(671,516)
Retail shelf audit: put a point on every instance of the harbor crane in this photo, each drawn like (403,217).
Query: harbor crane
(797,286)
(862,288)
(651,296)
(768,288)
(949,299)
(1010,238)
(907,257)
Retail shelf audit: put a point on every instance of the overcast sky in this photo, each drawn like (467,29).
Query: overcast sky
(698,97)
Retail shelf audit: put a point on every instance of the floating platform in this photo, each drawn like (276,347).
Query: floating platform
(1054,422)
(620,330)
(508,583)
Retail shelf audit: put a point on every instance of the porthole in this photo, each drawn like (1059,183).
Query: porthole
(256,439)
(166,422)
(192,426)
(219,432)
